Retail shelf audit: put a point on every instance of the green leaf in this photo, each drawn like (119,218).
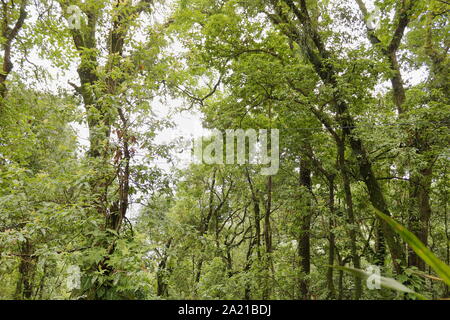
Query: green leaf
(388,283)
(419,248)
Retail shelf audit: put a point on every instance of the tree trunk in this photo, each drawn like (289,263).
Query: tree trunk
(420,213)
(331,241)
(27,267)
(351,218)
(380,245)
(248,265)
(304,241)
(268,243)
(161,274)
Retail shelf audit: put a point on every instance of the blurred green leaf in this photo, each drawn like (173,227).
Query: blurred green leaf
(422,251)
(388,283)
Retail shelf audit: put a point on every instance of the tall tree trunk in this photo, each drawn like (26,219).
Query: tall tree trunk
(380,245)
(304,240)
(351,218)
(340,276)
(331,240)
(420,213)
(27,268)
(9,35)
(162,272)
(257,213)
(204,225)
(268,242)
(248,265)
(267,226)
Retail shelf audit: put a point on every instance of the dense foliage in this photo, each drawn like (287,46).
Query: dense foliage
(359,90)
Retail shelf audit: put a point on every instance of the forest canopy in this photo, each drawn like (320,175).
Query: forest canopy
(323,155)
